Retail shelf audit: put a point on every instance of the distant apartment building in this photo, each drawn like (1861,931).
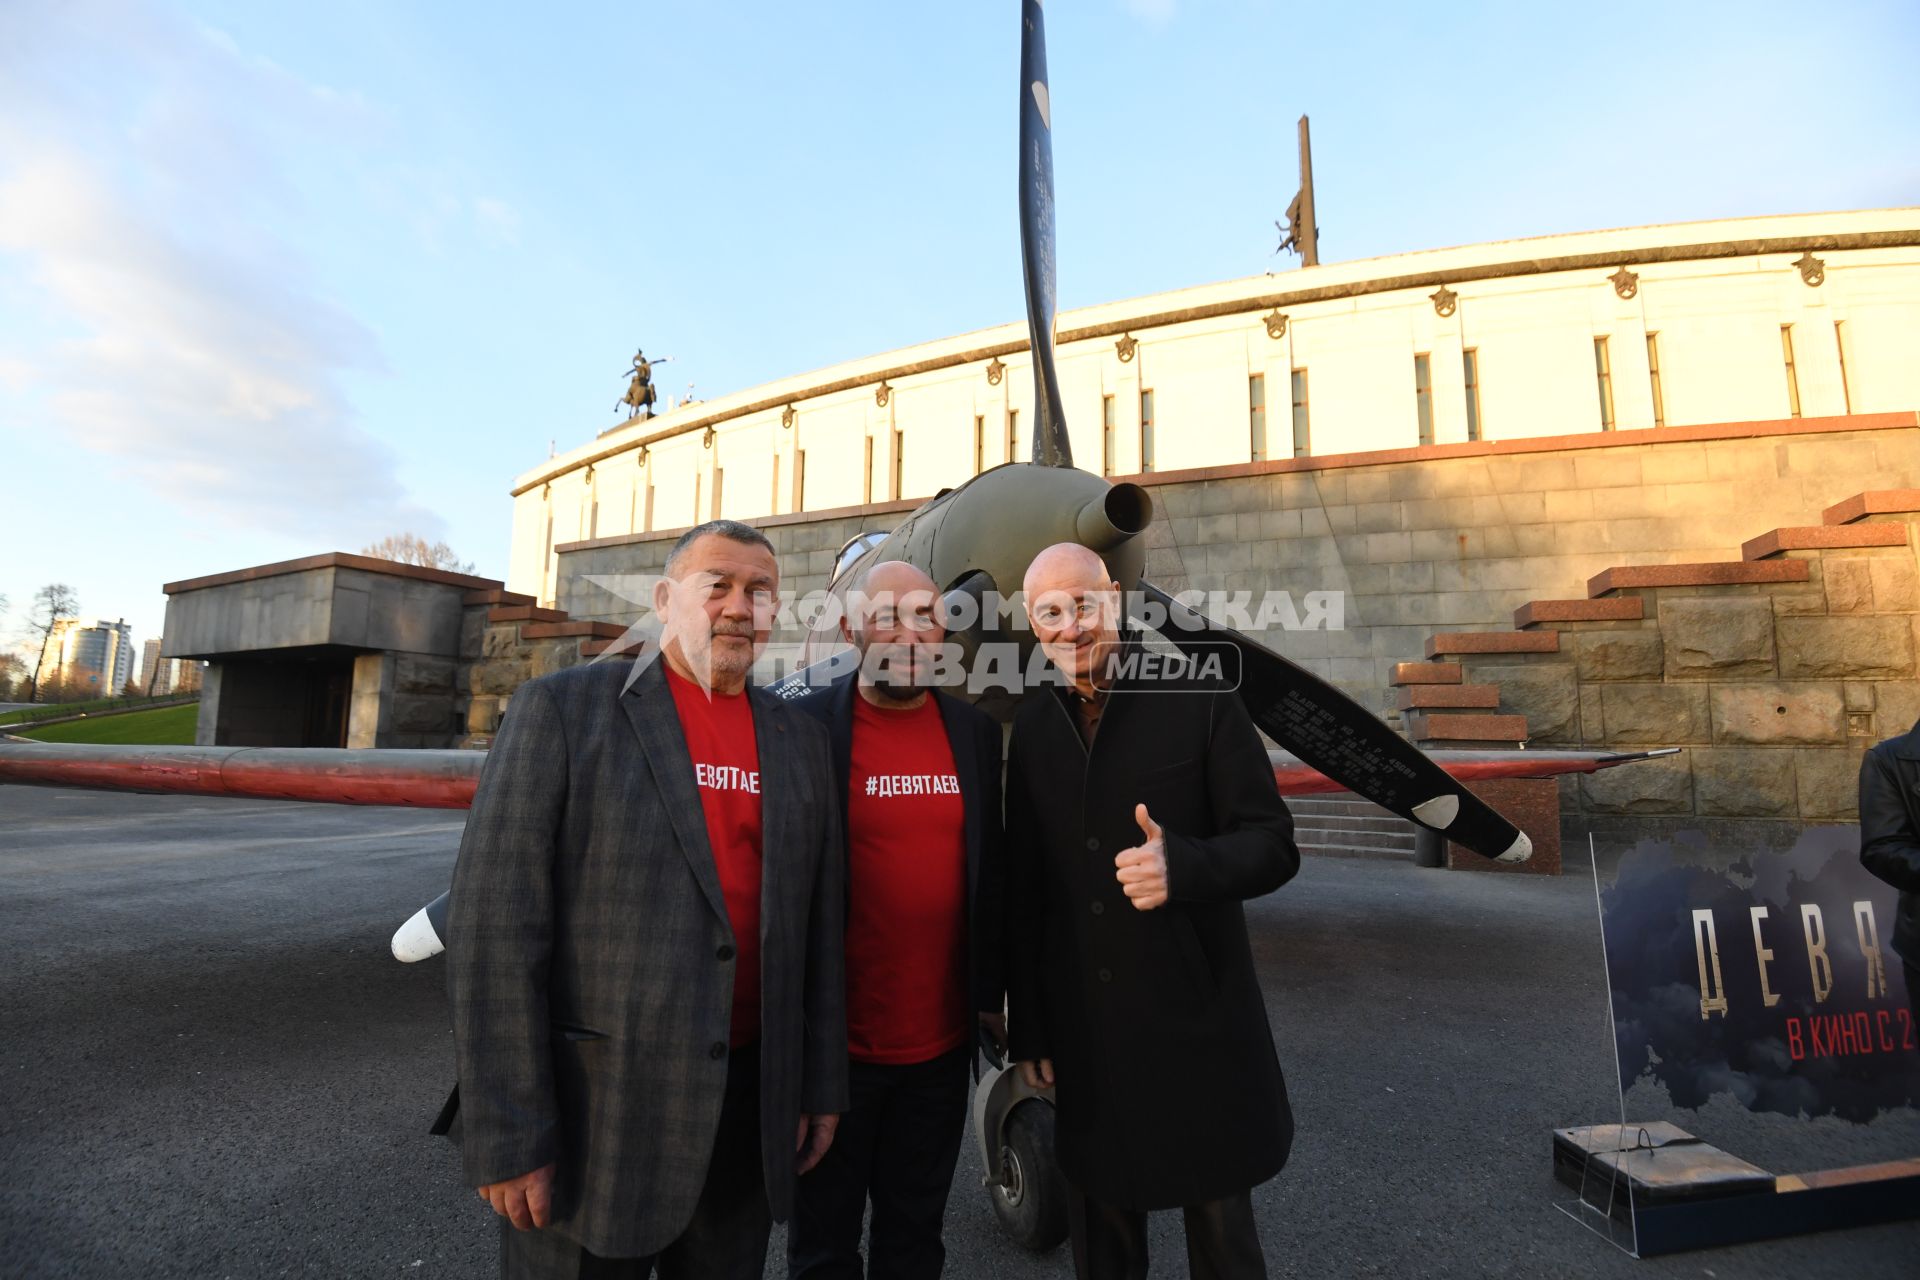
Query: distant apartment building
(153,670)
(95,658)
(160,675)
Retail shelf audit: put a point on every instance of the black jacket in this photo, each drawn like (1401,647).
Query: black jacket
(1890,830)
(1168,1088)
(975,740)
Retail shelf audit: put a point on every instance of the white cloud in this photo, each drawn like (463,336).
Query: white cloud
(496,223)
(1156,12)
(177,332)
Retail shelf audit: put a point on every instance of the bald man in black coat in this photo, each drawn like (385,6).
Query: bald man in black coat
(1140,815)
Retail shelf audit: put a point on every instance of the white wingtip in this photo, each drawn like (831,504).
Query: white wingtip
(416,939)
(1438,812)
(1519,851)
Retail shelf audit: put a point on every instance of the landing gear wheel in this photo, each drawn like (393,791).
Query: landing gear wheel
(1031,1203)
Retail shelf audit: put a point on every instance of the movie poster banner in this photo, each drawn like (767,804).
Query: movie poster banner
(1765,976)
(1767,1054)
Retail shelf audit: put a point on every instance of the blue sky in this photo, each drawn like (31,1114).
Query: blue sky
(277,280)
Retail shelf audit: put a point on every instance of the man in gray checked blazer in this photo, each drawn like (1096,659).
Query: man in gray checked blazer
(626,1102)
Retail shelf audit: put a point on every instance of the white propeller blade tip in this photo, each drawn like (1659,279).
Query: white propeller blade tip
(1519,851)
(416,939)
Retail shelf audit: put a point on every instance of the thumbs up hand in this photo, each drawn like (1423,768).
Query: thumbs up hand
(1143,869)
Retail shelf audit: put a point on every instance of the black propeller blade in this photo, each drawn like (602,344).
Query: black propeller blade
(1343,740)
(1050,445)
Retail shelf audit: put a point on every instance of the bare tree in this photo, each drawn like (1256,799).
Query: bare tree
(13,678)
(51,603)
(409,548)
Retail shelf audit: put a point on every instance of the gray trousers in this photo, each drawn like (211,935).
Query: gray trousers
(727,1239)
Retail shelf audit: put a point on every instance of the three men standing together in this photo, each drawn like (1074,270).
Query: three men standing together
(718,960)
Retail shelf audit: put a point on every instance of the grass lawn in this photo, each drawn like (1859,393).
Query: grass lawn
(165,727)
(49,710)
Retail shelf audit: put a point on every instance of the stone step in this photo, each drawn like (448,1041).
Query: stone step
(1420,696)
(1493,642)
(525,613)
(1334,804)
(494,595)
(1874,502)
(1714,573)
(595,647)
(1618,609)
(1822,537)
(1355,850)
(1425,673)
(560,630)
(1385,824)
(1427,726)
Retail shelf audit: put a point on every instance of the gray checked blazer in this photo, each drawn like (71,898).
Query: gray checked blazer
(591,960)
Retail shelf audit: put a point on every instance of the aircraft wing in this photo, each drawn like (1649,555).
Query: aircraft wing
(446,779)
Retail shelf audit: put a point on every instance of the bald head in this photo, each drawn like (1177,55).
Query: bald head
(896,578)
(893,619)
(1073,604)
(1066,566)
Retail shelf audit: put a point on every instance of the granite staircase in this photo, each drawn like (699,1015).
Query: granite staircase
(520,639)
(1773,670)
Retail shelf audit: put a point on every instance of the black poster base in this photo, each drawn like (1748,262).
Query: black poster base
(1676,1192)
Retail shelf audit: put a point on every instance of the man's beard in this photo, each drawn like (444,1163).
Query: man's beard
(714,660)
(896,680)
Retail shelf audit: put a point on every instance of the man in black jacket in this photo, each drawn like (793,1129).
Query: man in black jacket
(1139,818)
(917,780)
(1890,839)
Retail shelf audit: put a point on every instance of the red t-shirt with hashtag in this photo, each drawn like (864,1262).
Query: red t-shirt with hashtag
(718,728)
(906,888)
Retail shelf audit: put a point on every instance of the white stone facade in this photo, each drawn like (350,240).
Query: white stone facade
(1751,319)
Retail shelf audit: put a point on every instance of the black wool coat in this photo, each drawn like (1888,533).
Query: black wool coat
(1890,832)
(1168,1088)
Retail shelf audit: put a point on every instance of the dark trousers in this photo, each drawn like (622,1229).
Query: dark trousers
(1111,1244)
(897,1146)
(727,1239)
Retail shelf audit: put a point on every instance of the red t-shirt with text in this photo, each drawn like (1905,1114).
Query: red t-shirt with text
(907,888)
(718,728)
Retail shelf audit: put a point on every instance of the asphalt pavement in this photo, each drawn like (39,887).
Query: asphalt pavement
(212,1067)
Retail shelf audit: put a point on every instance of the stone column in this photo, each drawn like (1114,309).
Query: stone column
(206,729)
(371,706)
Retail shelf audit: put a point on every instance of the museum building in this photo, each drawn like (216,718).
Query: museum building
(1620,489)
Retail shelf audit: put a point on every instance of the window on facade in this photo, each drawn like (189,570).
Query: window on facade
(1423,395)
(866,483)
(1146,430)
(1470,367)
(1013,434)
(899,473)
(1107,423)
(1793,379)
(697,477)
(646,517)
(799,479)
(1603,375)
(1302,437)
(979,443)
(1840,346)
(1653,379)
(773,498)
(1257,415)
(718,476)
